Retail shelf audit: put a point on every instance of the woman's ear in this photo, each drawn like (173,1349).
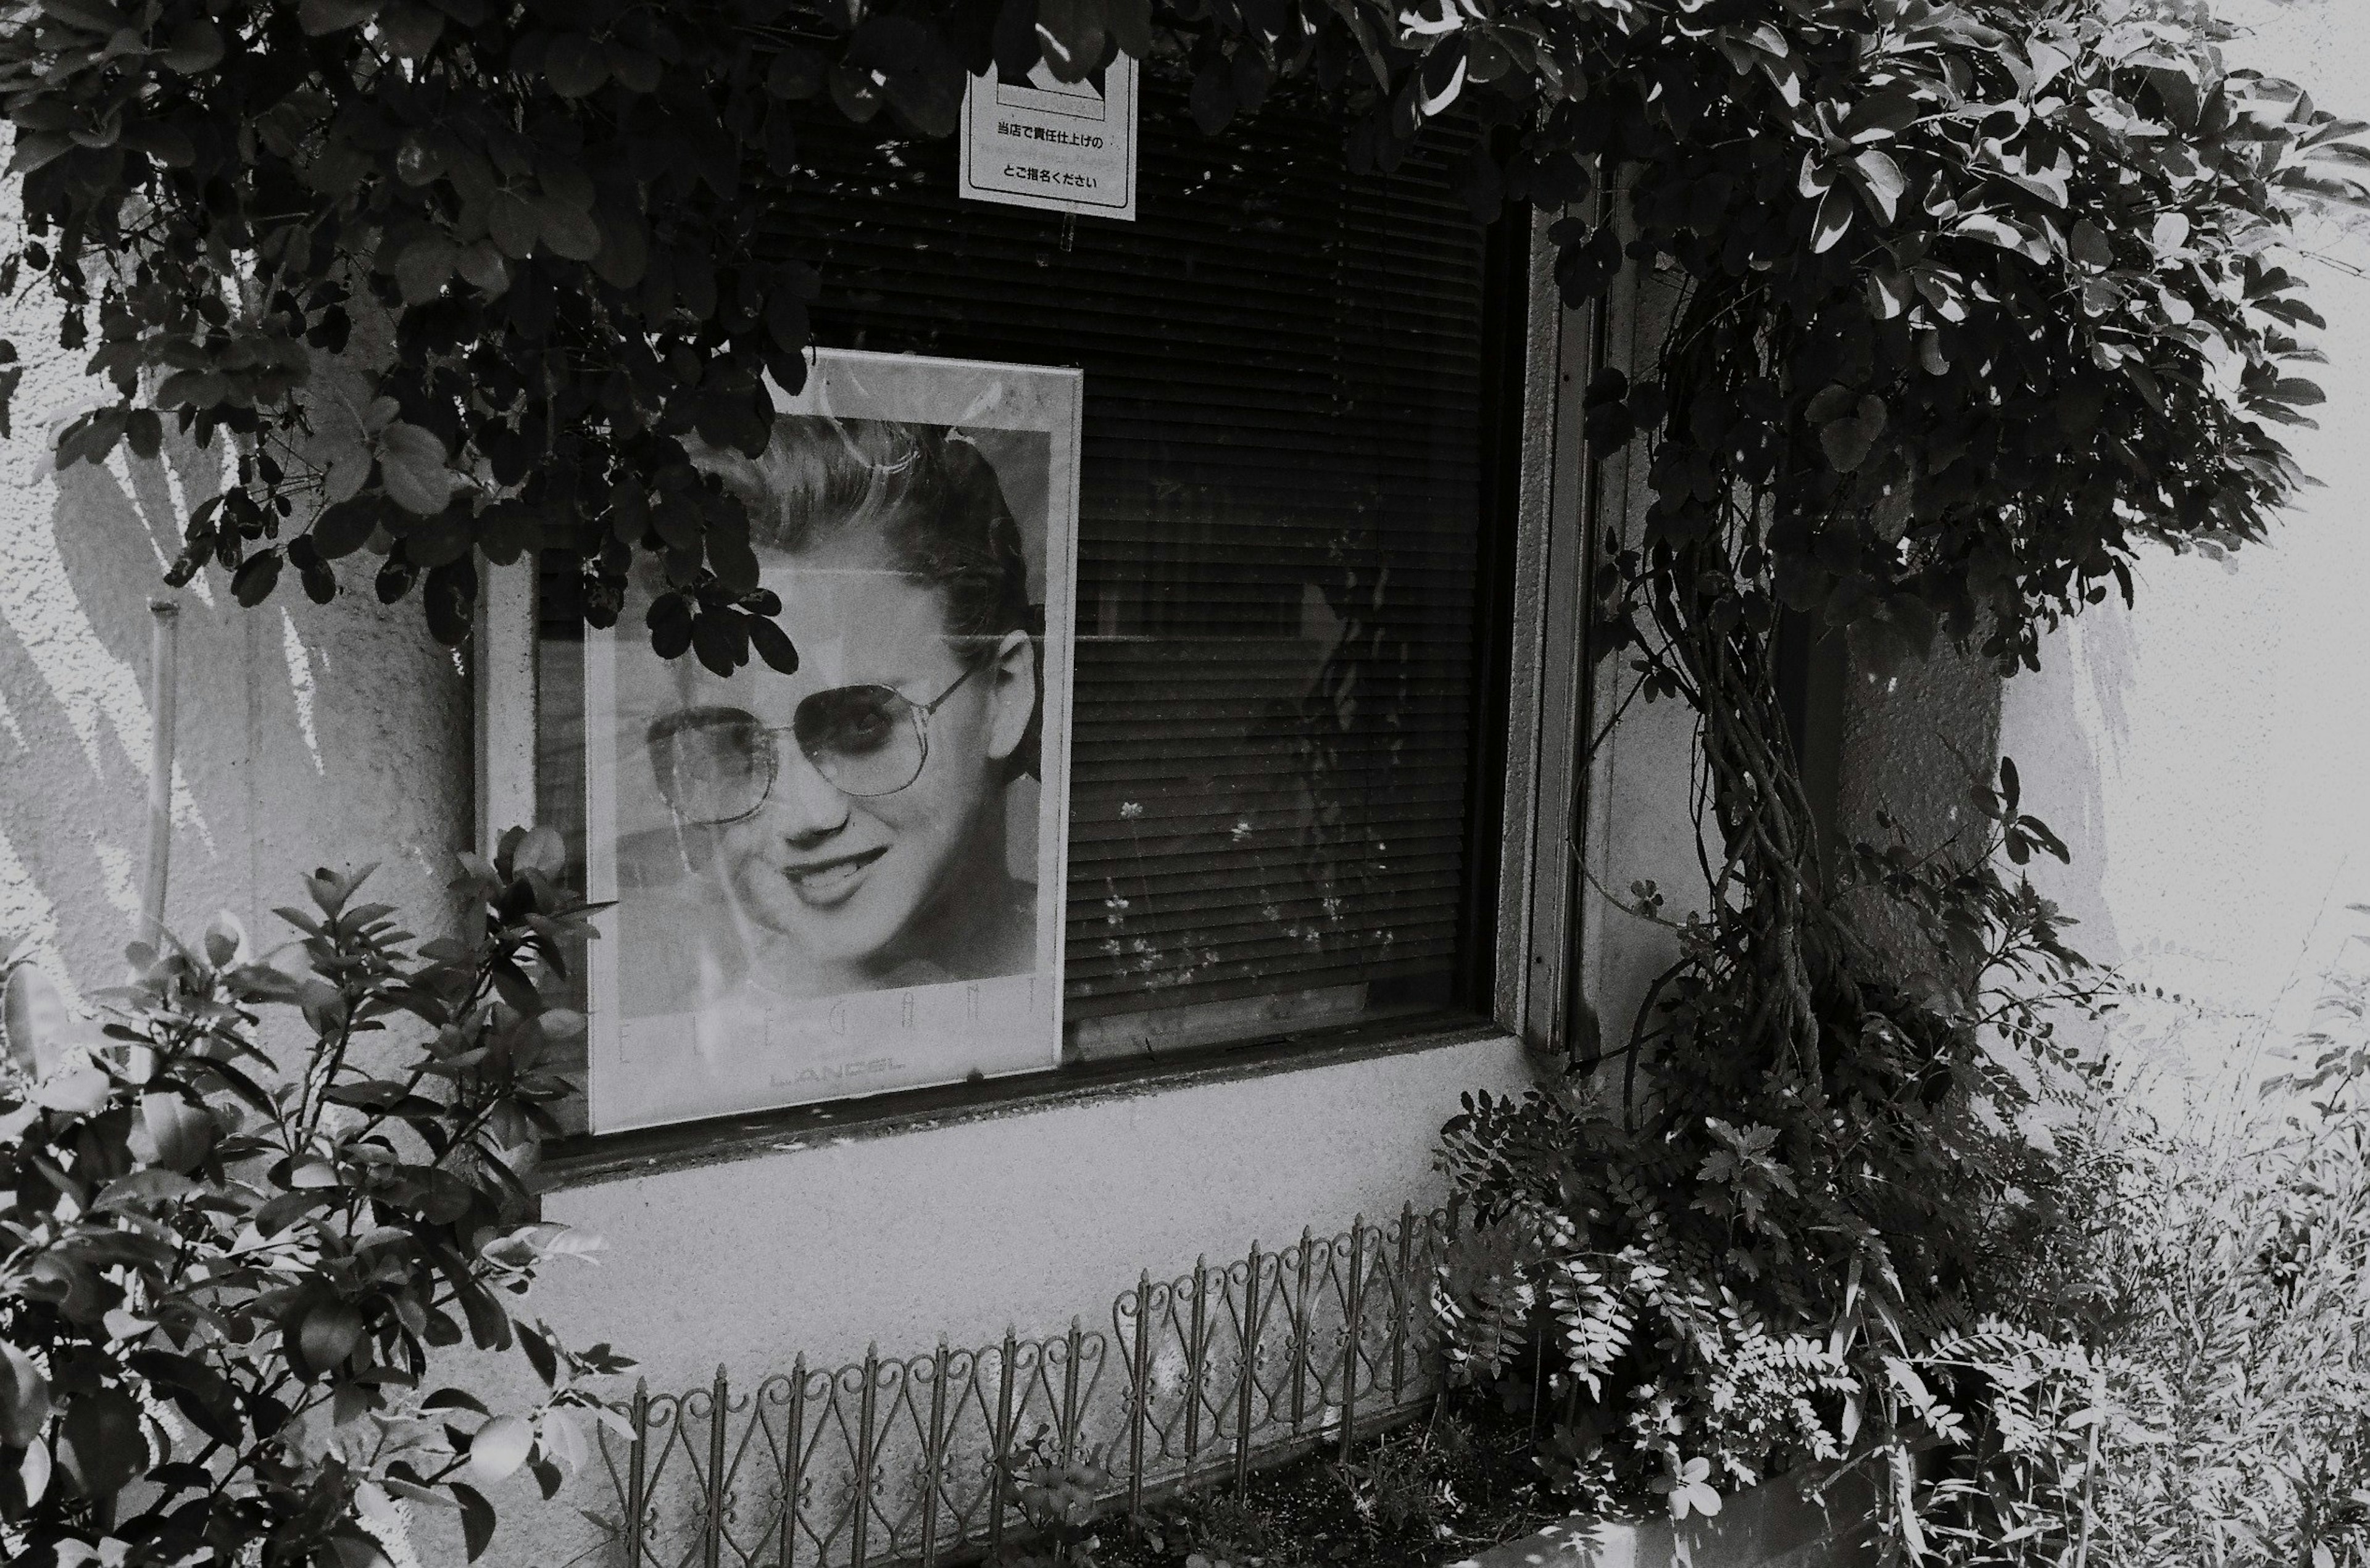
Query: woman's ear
(1012,694)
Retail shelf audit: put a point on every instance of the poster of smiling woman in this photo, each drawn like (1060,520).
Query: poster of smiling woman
(848,879)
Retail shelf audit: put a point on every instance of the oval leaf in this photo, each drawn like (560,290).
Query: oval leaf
(328,1334)
(23,1397)
(411,462)
(499,1448)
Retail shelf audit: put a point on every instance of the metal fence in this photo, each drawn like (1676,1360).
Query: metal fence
(900,1459)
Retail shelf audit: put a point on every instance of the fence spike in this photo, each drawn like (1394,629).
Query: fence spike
(1300,1331)
(1139,1393)
(637,1475)
(1001,1461)
(1248,1371)
(934,1452)
(1354,1328)
(794,1460)
(712,1541)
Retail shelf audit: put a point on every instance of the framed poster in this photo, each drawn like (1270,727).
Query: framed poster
(849,878)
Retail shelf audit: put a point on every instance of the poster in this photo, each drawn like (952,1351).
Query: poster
(848,879)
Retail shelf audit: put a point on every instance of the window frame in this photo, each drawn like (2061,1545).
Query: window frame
(1527,787)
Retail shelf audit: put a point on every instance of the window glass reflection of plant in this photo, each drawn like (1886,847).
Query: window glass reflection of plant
(842,829)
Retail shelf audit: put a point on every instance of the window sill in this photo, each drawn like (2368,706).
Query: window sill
(587,1159)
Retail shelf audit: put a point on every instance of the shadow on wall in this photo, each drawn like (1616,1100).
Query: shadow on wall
(308,735)
(1915,743)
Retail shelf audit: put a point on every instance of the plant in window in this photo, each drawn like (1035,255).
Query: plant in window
(224,1272)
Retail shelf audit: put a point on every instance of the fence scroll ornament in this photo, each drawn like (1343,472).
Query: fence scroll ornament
(898,1460)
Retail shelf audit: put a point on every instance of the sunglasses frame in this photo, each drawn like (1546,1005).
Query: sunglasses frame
(918,712)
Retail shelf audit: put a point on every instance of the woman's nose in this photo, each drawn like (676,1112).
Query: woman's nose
(806,806)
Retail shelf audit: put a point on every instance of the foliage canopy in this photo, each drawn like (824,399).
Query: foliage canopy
(1978,294)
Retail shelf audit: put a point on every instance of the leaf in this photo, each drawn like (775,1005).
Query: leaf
(1847,441)
(514,223)
(1834,218)
(476,1518)
(1888,292)
(344,528)
(454,1398)
(422,270)
(2090,247)
(569,231)
(1212,100)
(412,464)
(540,1356)
(33,1474)
(541,850)
(2169,233)
(196,45)
(772,644)
(329,1334)
(318,16)
(1882,180)
(256,577)
(1072,34)
(23,1397)
(575,66)
(411,27)
(180,1133)
(498,1448)
(101,1444)
(78,1090)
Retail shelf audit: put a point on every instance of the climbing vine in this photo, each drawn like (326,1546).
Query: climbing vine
(1970,301)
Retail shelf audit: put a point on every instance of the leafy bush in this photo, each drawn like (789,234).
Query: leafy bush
(2204,1394)
(221,1285)
(1715,1273)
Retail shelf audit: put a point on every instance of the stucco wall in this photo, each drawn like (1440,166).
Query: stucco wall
(2206,754)
(1640,822)
(308,735)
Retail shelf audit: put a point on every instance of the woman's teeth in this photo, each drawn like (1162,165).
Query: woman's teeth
(830,884)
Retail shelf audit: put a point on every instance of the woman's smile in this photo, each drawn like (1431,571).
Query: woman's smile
(828,880)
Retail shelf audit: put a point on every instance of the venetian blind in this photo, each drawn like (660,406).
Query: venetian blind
(1279,538)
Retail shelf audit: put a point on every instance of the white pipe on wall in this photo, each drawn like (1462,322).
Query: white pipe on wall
(164,704)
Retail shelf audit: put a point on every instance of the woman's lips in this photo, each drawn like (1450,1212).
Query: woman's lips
(822,884)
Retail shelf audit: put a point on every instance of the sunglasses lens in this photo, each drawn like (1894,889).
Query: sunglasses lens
(713,766)
(862,739)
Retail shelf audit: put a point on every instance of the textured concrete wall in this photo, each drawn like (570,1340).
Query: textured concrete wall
(1641,824)
(2206,754)
(308,735)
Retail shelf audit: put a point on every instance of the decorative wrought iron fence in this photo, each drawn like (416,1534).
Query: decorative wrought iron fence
(901,1460)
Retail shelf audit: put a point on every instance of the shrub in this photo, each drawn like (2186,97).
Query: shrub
(221,1284)
(1728,1265)
(2204,1394)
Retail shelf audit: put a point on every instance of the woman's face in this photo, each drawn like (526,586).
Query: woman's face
(849,878)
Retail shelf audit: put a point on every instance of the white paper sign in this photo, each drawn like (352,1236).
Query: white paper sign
(1064,146)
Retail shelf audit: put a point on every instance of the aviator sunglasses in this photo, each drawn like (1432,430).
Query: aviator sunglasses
(719,765)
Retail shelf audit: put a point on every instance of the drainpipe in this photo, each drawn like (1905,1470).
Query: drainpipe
(164,703)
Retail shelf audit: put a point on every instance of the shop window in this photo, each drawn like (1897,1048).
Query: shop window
(1283,653)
